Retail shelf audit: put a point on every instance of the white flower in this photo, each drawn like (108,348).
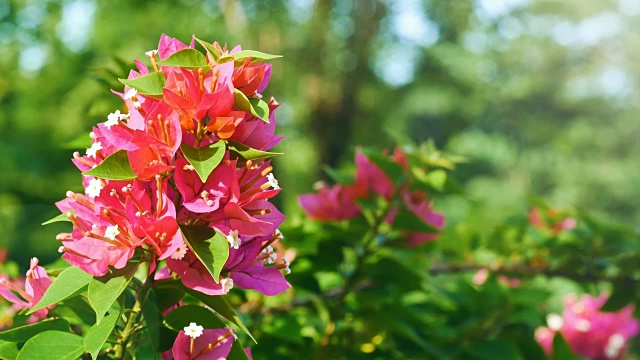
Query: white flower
(278,235)
(271,180)
(614,346)
(112,119)
(227,284)
(111,232)
(234,239)
(287,270)
(93,190)
(583,325)
(271,255)
(131,94)
(180,252)
(555,322)
(93,150)
(151,53)
(193,330)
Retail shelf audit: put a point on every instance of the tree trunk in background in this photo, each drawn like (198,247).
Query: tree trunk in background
(334,109)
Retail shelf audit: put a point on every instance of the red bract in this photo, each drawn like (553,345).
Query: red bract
(142,209)
(590,332)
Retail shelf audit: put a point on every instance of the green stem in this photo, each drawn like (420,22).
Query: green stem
(368,240)
(129,328)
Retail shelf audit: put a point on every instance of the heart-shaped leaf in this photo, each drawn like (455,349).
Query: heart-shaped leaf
(255,107)
(204,159)
(209,246)
(150,84)
(186,58)
(114,167)
(104,291)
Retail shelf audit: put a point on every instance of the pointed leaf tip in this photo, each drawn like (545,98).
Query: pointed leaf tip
(150,84)
(204,159)
(114,167)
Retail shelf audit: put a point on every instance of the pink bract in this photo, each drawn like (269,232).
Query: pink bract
(590,332)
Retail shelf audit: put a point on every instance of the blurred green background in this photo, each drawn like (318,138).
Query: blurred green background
(540,96)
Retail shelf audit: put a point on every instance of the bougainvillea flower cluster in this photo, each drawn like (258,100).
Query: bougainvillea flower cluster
(590,332)
(187,154)
(340,202)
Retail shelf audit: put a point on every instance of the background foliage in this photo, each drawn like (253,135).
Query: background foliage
(539,96)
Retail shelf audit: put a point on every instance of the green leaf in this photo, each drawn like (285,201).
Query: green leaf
(150,84)
(204,159)
(237,352)
(168,297)
(8,350)
(408,221)
(209,246)
(342,176)
(75,310)
(61,217)
(561,350)
(494,350)
(222,307)
(209,48)
(241,56)
(104,291)
(624,293)
(114,167)
(187,58)
(98,334)
(434,179)
(248,153)
(153,318)
(52,345)
(394,171)
(70,281)
(182,316)
(26,332)
(256,107)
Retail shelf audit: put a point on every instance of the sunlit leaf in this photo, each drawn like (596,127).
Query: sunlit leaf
(248,153)
(52,345)
(209,246)
(98,334)
(68,283)
(255,107)
(187,58)
(150,84)
(114,167)
(204,159)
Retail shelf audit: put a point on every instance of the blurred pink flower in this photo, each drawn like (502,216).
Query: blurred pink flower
(590,332)
(331,203)
(35,286)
